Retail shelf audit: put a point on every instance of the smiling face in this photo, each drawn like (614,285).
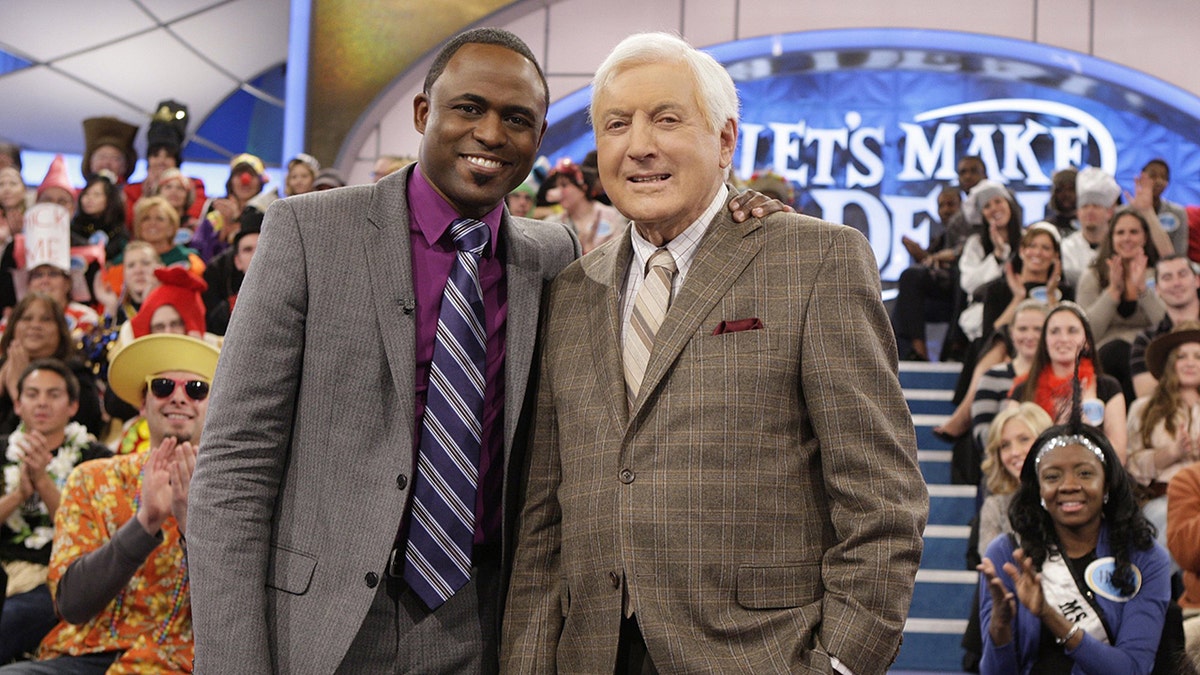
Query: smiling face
(93,201)
(997,213)
(177,415)
(1064,336)
(300,179)
(44,404)
(1176,283)
(175,192)
(482,123)
(1038,254)
(1186,359)
(1071,482)
(158,162)
(1015,440)
(12,188)
(660,163)
(1128,237)
(156,228)
(139,265)
(1026,331)
(37,330)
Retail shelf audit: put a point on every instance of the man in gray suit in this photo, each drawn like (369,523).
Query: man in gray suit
(725,481)
(310,455)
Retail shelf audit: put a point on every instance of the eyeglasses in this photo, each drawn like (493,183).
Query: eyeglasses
(163,387)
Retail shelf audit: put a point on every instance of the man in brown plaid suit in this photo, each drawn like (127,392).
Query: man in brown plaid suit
(746,498)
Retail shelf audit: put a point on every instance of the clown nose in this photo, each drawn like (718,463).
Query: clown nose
(244,179)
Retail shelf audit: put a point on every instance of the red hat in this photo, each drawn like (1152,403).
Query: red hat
(180,289)
(56,176)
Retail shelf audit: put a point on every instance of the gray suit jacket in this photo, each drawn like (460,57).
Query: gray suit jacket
(760,505)
(296,498)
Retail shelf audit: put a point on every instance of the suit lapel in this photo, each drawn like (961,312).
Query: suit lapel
(606,267)
(725,251)
(388,253)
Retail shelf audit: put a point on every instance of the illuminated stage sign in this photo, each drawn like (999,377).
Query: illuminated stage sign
(869,124)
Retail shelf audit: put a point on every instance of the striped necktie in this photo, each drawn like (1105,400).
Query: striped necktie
(442,522)
(648,311)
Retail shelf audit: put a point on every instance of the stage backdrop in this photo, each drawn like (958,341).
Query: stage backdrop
(869,135)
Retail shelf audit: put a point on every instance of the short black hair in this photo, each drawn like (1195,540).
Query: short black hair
(1161,162)
(483,36)
(54,366)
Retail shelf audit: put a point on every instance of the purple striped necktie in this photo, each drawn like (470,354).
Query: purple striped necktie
(442,521)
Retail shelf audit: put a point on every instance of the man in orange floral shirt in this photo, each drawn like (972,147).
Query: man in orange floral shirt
(119,568)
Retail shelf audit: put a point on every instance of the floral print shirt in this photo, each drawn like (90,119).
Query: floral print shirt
(150,620)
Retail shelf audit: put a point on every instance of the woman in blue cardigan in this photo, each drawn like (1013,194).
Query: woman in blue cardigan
(1087,590)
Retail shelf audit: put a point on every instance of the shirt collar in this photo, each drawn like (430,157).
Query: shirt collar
(433,214)
(684,246)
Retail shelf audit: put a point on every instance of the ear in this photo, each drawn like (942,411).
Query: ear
(74,407)
(421,112)
(728,142)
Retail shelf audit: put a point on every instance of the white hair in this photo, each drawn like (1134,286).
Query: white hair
(718,97)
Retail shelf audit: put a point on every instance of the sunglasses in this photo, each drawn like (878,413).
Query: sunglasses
(163,387)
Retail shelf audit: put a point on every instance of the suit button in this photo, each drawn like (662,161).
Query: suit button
(614,579)
(626,476)
(401,481)
(372,579)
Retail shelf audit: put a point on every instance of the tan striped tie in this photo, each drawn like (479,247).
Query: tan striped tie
(648,311)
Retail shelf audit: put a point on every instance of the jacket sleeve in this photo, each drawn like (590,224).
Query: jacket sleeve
(878,504)
(244,453)
(1003,659)
(533,616)
(1183,518)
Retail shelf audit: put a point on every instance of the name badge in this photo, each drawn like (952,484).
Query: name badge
(1099,578)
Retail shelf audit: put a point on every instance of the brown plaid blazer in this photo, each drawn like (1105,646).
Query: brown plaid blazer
(761,504)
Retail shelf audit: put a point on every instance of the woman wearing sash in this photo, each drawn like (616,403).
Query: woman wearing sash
(1087,589)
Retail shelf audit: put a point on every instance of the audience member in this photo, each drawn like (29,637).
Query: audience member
(992,389)
(1082,586)
(985,253)
(100,216)
(119,571)
(386,165)
(36,330)
(10,156)
(1115,294)
(174,306)
(1183,541)
(1066,339)
(44,252)
(247,176)
(156,222)
(164,151)
(594,223)
(1060,210)
(12,203)
(1008,442)
(1171,216)
(327,179)
(1035,272)
(56,188)
(1177,286)
(138,262)
(301,174)
(1164,428)
(40,454)
(108,144)
(224,276)
(520,201)
(180,193)
(926,291)
(1096,194)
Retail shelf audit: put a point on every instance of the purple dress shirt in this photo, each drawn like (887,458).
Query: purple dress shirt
(433,256)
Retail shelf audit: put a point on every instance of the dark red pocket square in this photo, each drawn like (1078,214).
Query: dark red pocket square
(736,326)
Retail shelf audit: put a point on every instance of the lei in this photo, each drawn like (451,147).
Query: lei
(75,439)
